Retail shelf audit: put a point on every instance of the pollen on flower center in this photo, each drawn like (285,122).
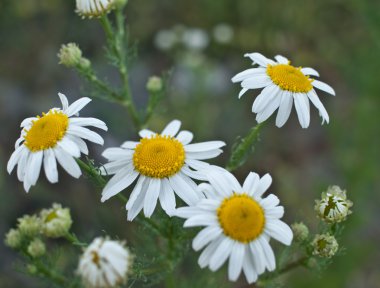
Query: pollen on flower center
(289,78)
(46,131)
(159,156)
(241,218)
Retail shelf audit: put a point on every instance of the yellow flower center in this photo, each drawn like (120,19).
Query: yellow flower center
(289,78)
(159,156)
(46,131)
(241,218)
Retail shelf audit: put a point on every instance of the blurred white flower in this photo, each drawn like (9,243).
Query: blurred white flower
(239,224)
(93,8)
(165,39)
(163,163)
(104,264)
(223,33)
(55,136)
(195,39)
(283,84)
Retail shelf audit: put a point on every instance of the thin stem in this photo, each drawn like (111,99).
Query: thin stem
(299,262)
(72,238)
(242,150)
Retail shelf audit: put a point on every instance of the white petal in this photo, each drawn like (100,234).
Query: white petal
(208,190)
(185,137)
(172,128)
(82,121)
(275,212)
(242,92)
(130,144)
(196,164)
(205,219)
(269,109)
(50,166)
(317,103)
(145,133)
(139,203)
(64,101)
(248,267)
(221,254)
(270,202)
(193,174)
(256,82)
(67,162)
(187,212)
(281,59)
(70,147)
(21,166)
(207,235)
(119,182)
(309,71)
(79,142)
(223,181)
(266,96)
(76,106)
(167,197)
(236,261)
(114,166)
(252,72)
(302,107)
(27,121)
(85,133)
(151,197)
(251,183)
(204,146)
(206,254)
(264,184)
(34,167)
(268,253)
(137,191)
(204,155)
(323,86)
(184,190)
(260,59)
(258,257)
(116,154)
(286,105)
(15,157)
(280,231)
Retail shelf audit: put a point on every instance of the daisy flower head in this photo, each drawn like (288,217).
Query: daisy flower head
(55,136)
(164,164)
(94,8)
(238,223)
(282,85)
(104,264)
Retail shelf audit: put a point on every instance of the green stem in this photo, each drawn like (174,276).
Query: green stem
(242,150)
(299,262)
(72,238)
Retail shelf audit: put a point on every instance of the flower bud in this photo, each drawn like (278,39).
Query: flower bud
(13,238)
(154,84)
(70,55)
(29,225)
(36,248)
(94,8)
(325,245)
(56,221)
(300,231)
(333,206)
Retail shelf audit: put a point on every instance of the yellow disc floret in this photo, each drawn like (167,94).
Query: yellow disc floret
(46,131)
(241,218)
(289,78)
(159,156)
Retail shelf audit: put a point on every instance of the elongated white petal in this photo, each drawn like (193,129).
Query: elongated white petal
(256,82)
(260,59)
(302,107)
(172,128)
(114,166)
(270,201)
(204,258)
(185,191)
(309,71)
(204,219)
(280,231)
(285,108)
(235,264)
(251,183)
(67,162)
(89,121)
(27,121)
(204,155)
(34,167)
(266,96)
(145,133)
(221,254)
(193,174)
(85,133)
(196,164)
(323,86)
(15,157)
(151,197)
(317,103)
(21,167)
(185,137)
(76,106)
(138,204)
(64,101)
(204,146)
(115,154)
(263,186)
(129,144)
(79,142)
(268,253)
(50,166)
(281,59)
(248,267)
(252,72)
(242,92)
(136,191)
(167,197)
(70,147)
(258,257)
(204,237)
(269,109)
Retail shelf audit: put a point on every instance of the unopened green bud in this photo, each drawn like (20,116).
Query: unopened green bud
(29,225)
(13,238)
(70,56)
(300,231)
(154,84)
(56,221)
(32,269)
(325,245)
(36,248)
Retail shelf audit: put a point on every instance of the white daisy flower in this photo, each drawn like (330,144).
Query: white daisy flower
(55,136)
(94,8)
(104,263)
(282,84)
(239,224)
(163,163)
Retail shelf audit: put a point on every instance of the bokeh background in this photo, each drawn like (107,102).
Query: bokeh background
(202,42)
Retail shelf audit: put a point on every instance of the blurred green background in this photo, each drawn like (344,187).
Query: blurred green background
(202,42)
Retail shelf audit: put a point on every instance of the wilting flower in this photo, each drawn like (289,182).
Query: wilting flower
(239,224)
(162,163)
(283,84)
(104,264)
(94,8)
(325,245)
(55,136)
(56,221)
(334,206)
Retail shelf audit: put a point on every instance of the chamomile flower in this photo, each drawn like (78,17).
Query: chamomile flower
(283,84)
(238,223)
(163,163)
(94,8)
(104,264)
(55,136)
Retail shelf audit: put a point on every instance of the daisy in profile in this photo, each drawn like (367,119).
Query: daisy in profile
(104,264)
(283,84)
(238,223)
(94,8)
(163,163)
(55,136)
